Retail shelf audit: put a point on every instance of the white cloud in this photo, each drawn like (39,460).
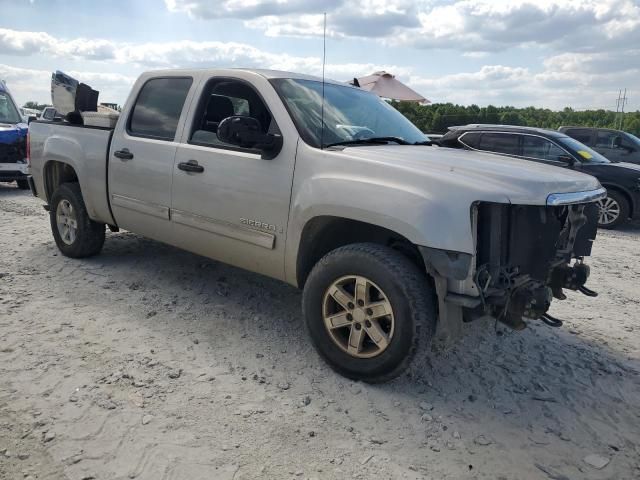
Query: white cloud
(14,42)
(175,54)
(466,25)
(32,84)
(580,79)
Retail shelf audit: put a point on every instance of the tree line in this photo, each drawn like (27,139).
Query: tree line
(437,117)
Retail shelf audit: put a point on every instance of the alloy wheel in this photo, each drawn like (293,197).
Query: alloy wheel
(609,211)
(67,222)
(358,316)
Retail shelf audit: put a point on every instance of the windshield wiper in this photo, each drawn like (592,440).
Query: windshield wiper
(370,140)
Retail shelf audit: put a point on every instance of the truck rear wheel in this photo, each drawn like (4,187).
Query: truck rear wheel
(367,309)
(76,235)
(23,184)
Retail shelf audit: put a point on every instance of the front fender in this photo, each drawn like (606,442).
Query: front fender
(424,219)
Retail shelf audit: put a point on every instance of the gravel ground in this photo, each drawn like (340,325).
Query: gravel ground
(148,362)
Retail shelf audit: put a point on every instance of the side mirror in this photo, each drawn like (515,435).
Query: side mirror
(31,119)
(567,159)
(246,132)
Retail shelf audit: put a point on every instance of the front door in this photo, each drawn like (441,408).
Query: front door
(607,143)
(142,156)
(229,203)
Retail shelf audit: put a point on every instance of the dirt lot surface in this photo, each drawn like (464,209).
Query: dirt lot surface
(151,363)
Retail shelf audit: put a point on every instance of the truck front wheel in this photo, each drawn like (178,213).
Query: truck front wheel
(76,235)
(368,309)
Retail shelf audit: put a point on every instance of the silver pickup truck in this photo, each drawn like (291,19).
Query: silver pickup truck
(326,187)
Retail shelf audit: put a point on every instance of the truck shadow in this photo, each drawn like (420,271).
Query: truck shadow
(8,190)
(557,384)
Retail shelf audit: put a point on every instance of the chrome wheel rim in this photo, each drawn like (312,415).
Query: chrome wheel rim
(609,211)
(358,316)
(67,222)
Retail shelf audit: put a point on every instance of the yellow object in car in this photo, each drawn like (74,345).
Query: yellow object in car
(586,155)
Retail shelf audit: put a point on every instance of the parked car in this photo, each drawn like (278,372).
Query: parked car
(29,114)
(622,180)
(13,141)
(327,187)
(616,145)
(50,113)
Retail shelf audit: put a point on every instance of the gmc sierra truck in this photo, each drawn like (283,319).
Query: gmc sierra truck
(326,187)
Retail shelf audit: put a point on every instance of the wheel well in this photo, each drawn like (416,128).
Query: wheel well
(55,174)
(324,234)
(626,196)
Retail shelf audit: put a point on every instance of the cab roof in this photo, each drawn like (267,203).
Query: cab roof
(266,73)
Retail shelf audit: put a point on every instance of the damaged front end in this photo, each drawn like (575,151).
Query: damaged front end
(527,255)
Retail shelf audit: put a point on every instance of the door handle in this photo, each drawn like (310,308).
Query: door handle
(123,154)
(191,166)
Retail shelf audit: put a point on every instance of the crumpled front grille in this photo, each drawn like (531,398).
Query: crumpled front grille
(13,152)
(528,239)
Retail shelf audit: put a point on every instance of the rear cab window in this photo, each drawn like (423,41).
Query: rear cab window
(158,108)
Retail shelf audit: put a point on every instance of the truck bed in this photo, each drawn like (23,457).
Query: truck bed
(85,149)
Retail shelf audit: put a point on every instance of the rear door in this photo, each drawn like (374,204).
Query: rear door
(500,142)
(142,155)
(235,207)
(583,135)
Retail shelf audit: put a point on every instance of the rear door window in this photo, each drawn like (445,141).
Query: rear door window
(471,139)
(581,135)
(158,108)
(505,143)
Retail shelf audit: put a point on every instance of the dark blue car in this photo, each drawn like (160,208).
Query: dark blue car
(13,141)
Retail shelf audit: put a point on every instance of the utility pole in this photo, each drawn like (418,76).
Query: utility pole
(620,104)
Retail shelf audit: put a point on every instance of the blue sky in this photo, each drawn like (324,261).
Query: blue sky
(546,53)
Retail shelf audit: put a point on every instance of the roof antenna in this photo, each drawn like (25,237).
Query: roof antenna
(324,57)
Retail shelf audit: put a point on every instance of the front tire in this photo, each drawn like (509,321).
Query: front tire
(76,235)
(613,210)
(23,184)
(368,309)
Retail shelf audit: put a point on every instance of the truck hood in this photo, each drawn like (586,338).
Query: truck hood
(10,133)
(504,178)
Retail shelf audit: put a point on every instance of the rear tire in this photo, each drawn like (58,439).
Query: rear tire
(384,345)
(23,184)
(76,235)
(613,210)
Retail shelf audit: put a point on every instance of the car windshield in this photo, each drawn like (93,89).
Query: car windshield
(633,139)
(587,155)
(8,111)
(350,114)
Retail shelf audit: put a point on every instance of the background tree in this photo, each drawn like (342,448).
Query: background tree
(35,105)
(437,117)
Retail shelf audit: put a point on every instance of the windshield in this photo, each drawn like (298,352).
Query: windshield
(350,114)
(586,154)
(8,111)
(633,139)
